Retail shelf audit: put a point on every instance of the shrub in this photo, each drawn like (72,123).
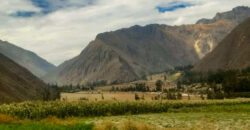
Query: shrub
(137,96)
(158,85)
(179,96)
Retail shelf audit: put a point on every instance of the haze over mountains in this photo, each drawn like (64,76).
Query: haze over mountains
(27,59)
(232,53)
(18,84)
(131,53)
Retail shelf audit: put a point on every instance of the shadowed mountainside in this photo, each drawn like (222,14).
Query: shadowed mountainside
(18,84)
(27,59)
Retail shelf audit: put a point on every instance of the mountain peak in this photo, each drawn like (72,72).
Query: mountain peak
(237,14)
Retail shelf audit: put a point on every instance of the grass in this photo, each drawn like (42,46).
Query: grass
(41,126)
(160,121)
(187,121)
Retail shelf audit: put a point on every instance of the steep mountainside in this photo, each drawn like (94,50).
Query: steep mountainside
(18,84)
(125,55)
(128,54)
(27,59)
(232,53)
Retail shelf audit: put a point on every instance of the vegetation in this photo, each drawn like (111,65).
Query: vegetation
(38,110)
(221,84)
(228,114)
(158,85)
(139,87)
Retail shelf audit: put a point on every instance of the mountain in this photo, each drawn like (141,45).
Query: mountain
(25,58)
(238,15)
(232,53)
(18,84)
(131,53)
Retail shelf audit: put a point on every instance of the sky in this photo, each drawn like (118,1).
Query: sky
(58,30)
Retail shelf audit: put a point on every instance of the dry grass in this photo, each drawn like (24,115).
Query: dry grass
(126,125)
(56,121)
(205,124)
(108,96)
(115,96)
(181,121)
(131,125)
(107,125)
(8,119)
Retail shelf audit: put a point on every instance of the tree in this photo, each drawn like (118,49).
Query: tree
(179,96)
(159,84)
(113,88)
(178,85)
(202,97)
(102,96)
(165,77)
(137,96)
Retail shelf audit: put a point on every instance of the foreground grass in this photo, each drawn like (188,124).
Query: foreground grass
(184,121)
(41,126)
(162,121)
(39,110)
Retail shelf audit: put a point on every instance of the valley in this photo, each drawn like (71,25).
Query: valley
(151,77)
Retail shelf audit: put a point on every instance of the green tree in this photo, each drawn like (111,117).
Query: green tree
(178,85)
(137,96)
(159,84)
(179,96)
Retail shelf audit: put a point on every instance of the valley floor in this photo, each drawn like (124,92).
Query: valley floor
(228,114)
(176,121)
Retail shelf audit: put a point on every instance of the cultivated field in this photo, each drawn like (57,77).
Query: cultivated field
(117,96)
(140,115)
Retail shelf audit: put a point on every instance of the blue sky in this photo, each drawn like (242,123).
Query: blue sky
(50,6)
(172,6)
(58,30)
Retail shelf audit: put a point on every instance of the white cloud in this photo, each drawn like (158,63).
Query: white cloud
(63,34)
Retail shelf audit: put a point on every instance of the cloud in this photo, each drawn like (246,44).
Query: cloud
(71,24)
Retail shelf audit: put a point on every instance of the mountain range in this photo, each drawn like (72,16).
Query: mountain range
(130,53)
(29,60)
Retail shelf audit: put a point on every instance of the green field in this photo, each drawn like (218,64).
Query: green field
(214,114)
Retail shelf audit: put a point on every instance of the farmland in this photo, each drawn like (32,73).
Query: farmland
(215,114)
(129,106)
(118,96)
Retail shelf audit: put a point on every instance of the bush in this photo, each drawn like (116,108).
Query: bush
(137,96)
(159,84)
(179,96)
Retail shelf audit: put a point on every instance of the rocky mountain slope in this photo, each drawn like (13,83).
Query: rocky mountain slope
(25,58)
(238,15)
(18,84)
(130,53)
(232,53)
